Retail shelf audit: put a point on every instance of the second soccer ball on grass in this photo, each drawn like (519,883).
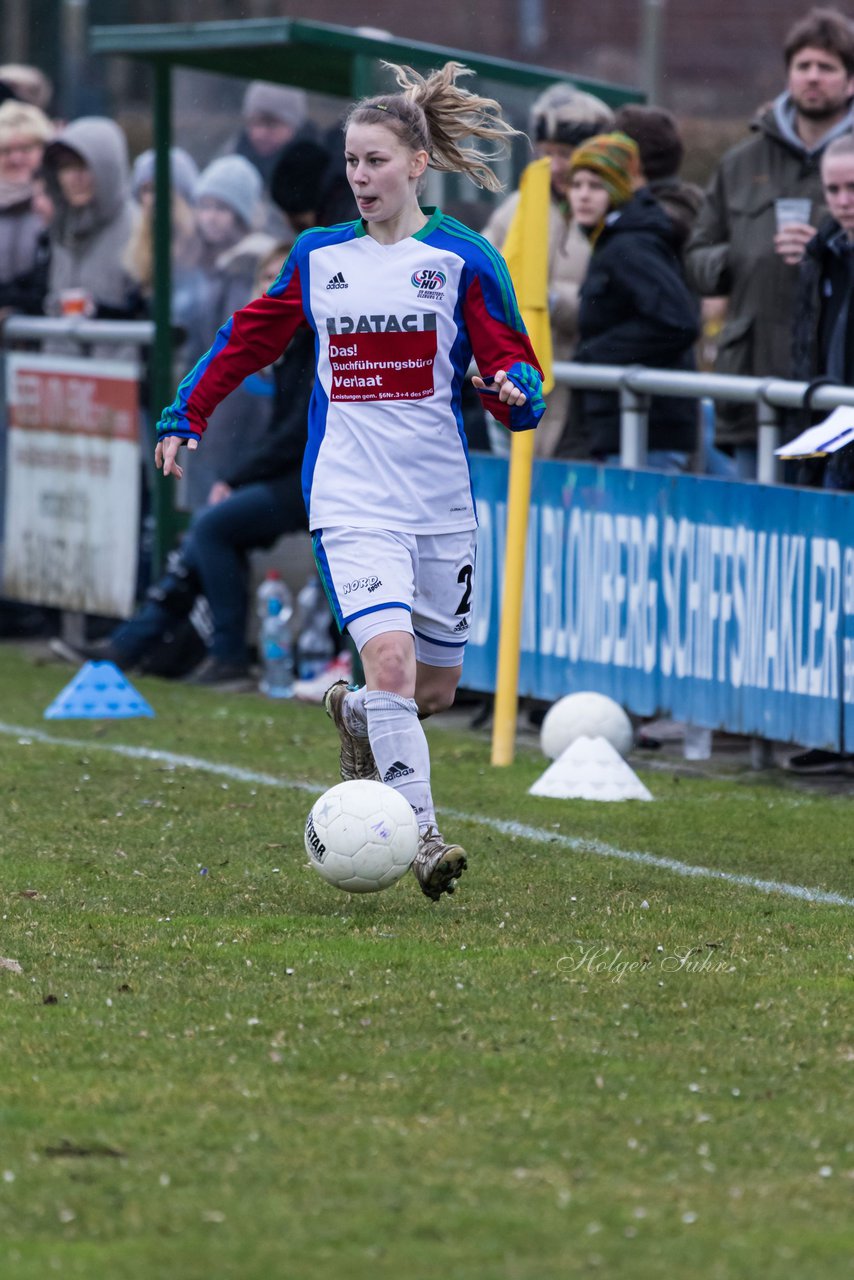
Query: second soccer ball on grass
(588,715)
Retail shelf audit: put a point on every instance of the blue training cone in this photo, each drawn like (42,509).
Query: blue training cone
(99,691)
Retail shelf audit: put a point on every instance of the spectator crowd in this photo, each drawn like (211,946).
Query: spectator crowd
(641,267)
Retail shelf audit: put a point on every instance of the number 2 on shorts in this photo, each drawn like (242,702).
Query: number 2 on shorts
(465,575)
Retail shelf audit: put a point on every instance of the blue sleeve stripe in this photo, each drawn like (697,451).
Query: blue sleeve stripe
(176,413)
(499,267)
(524,417)
(512,315)
(527,378)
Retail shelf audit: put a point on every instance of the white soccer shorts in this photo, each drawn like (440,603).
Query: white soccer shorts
(379,580)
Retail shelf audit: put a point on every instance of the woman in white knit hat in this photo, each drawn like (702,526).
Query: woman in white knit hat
(227,200)
(186,245)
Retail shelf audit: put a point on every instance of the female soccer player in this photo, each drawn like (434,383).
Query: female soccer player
(398,301)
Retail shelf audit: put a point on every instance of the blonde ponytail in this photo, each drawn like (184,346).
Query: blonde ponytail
(434,114)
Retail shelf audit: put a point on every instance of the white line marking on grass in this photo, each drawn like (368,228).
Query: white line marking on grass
(163,757)
(575,843)
(581,845)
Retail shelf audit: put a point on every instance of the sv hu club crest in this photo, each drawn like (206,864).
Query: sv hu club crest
(429,280)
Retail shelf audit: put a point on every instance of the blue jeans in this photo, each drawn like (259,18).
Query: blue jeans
(213,562)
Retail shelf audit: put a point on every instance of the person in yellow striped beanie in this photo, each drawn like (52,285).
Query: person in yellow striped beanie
(605,172)
(635,305)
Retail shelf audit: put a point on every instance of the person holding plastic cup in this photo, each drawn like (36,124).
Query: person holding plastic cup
(749,237)
(823,327)
(87,177)
(793,227)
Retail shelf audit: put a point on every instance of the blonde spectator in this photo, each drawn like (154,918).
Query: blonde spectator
(139,257)
(24,132)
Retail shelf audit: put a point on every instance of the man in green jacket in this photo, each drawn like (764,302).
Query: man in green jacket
(746,240)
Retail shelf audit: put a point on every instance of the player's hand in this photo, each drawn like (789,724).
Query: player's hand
(508,392)
(167,451)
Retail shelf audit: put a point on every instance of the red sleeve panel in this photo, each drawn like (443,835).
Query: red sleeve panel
(251,339)
(499,345)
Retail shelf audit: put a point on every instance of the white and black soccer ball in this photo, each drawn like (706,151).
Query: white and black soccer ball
(587,715)
(361,836)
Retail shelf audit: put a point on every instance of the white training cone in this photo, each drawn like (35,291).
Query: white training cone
(590,769)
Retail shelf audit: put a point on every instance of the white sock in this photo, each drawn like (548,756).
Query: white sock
(354,712)
(400,750)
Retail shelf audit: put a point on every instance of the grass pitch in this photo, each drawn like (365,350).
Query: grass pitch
(215,1065)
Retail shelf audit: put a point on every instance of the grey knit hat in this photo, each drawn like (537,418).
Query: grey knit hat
(277,100)
(235,182)
(183,170)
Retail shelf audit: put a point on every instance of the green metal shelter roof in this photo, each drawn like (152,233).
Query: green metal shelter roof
(313,55)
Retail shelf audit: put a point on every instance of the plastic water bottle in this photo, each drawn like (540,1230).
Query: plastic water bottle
(698,743)
(315,646)
(273,587)
(275,639)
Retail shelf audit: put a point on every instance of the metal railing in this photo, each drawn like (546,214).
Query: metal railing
(635,384)
(84,332)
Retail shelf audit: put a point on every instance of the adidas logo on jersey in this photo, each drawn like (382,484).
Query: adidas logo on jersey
(338,281)
(397,770)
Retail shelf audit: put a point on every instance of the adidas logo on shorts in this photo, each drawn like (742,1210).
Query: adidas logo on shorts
(338,281)
(397,770)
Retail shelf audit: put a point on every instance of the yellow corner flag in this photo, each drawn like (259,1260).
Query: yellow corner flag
(525,251)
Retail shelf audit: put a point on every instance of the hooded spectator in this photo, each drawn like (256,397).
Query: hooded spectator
(87,173)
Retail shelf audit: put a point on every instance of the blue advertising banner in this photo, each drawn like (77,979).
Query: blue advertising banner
(729,605)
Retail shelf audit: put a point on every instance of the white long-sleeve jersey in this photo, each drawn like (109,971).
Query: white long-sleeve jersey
(395,328)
